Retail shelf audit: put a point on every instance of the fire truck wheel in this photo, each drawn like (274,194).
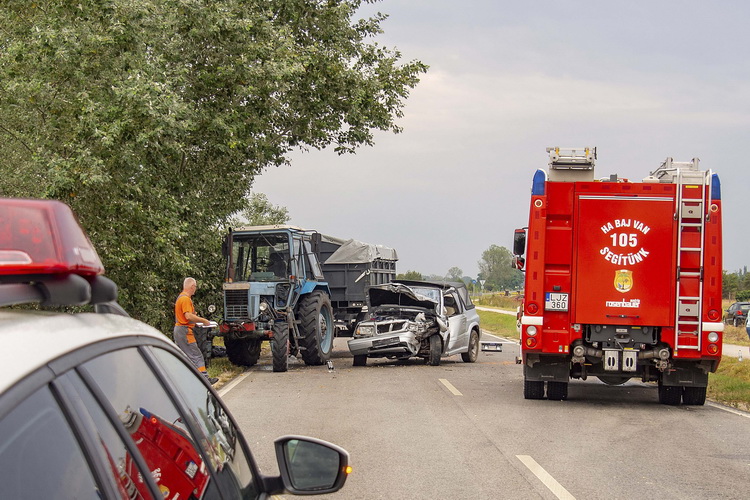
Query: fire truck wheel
(280,346)
(242,352)
(533,389)
(360,360)
(471,355)
(694,396)
(316,328)
(557,391)
(670,394)
(435,350)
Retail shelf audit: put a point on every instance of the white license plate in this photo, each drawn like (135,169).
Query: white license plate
(556,301)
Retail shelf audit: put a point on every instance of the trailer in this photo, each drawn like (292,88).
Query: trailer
(623,279)
(350,267)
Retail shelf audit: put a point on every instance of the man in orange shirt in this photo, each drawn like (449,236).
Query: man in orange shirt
(185,320)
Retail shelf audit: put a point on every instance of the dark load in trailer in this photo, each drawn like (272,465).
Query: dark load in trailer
(350,266)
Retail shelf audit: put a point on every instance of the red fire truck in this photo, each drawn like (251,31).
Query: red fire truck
(623,279)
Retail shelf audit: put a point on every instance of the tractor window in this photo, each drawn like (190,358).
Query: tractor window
(260,257)
(313,265)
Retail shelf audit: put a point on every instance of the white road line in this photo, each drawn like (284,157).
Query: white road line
(548,481)
(450,387)
(231,385)
(730,410)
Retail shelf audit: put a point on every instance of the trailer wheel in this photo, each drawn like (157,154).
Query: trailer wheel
(669,394)
(242,352)
(557,391)
(360,360)
(694,396)
(435,350)
(533,389)
(280,346)
(316,328)
(471,355)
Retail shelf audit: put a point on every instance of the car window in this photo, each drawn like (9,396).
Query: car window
(123,465)
(231,461)
(745,307)
(36,432)
(154,423)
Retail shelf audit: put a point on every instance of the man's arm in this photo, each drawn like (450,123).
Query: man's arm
(194,318)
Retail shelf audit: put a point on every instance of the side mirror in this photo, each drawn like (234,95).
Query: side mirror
(519,242)
(315,240)
(310,466)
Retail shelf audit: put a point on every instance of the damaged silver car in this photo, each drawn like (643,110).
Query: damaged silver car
(417,319)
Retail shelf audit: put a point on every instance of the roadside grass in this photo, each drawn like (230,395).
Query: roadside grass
(730,385)
(736,335)
(222,368)
(509,302)
(500,324)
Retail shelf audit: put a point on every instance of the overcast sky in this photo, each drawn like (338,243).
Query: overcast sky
(641,80)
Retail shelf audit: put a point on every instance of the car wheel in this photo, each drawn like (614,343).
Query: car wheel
(735,322)
(280,346)
(360,360)
(435,350)
(471,355)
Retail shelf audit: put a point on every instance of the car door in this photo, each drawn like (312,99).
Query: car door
(459,338)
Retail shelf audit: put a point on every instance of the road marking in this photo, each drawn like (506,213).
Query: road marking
(231,385)
(544,476)
(730,410)
(450,387)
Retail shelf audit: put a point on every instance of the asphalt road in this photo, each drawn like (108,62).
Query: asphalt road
(464,430)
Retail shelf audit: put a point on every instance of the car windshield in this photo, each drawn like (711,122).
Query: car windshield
(431,293)
(745,307)
(259,257)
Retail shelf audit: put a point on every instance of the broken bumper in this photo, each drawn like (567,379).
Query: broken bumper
(388,344)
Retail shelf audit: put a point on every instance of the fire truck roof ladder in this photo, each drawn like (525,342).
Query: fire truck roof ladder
(693,190)
(571,164)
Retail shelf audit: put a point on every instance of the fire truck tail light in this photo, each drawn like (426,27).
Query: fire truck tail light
(713,349)
(43,237)
(714,315)
(532,308)
(713,337)
(531,330)
(531,342)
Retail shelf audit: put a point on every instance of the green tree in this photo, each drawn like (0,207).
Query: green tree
(410,275)
(152,117)
(455,274)
(496,267)
(260,211)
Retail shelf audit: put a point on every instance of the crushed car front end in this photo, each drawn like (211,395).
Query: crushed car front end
(400,321)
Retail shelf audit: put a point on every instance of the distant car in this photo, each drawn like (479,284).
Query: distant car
(737,313)
(417,319)
(99,405)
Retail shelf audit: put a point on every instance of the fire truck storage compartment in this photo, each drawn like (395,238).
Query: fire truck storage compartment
(625,264)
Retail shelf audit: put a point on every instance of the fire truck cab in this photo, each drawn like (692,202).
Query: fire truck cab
(623,279)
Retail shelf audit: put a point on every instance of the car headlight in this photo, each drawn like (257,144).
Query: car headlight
(365,331)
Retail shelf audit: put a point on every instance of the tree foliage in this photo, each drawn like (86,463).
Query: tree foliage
(455,274)
(260,212)
(152,117)
(410,275)
(496,268)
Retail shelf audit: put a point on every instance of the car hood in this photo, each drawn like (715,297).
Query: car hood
(396,294)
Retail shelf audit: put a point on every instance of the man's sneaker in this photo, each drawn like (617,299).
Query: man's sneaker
(212,380)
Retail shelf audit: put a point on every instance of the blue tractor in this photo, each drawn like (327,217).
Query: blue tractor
(275,290)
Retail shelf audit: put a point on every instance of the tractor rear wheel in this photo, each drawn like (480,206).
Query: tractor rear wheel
(242,352)
(316,328)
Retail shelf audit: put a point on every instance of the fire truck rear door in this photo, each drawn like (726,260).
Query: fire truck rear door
(624,260)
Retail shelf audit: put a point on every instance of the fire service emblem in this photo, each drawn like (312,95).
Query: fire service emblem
(623,280)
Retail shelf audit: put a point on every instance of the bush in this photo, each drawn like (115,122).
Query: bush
(743,296)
